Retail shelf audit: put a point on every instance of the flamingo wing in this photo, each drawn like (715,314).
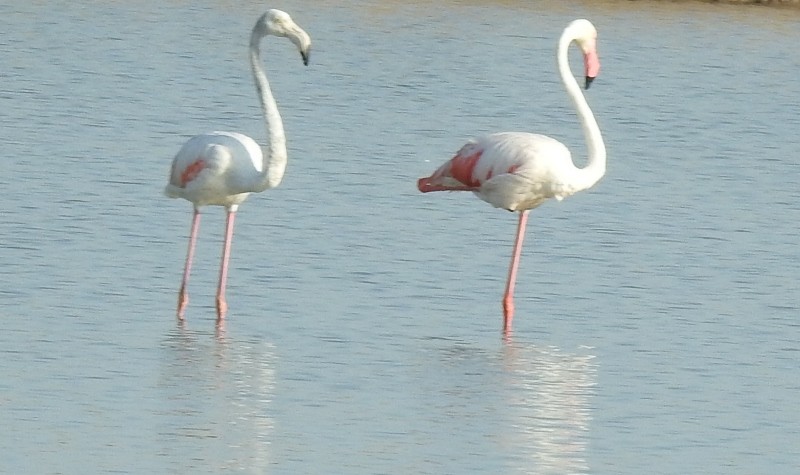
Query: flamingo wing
(509,170)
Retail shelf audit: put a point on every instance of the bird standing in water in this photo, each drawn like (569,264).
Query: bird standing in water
(518,171)
(223,168)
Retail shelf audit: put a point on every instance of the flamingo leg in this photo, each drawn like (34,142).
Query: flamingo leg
(508,297)
(183,295)
(222,305)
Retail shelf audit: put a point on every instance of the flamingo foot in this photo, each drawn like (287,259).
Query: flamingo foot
(183,301)
(222,309)
(508,313)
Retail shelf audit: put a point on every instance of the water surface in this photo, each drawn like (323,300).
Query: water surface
(656,313)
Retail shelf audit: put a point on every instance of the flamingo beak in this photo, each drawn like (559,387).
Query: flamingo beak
(300,38)
(591,65)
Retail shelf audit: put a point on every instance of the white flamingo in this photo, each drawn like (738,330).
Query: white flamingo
(518,171)
(223,168)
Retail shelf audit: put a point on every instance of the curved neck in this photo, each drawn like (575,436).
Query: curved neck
(596,165)
(275,150)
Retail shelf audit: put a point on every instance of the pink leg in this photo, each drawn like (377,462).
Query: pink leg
(508,297)
(222,306)
(183,295)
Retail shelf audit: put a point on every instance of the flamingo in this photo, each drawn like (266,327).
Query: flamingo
(223,168)
(519,171)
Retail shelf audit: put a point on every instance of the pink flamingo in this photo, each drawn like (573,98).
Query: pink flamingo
(223,168)
(518,171)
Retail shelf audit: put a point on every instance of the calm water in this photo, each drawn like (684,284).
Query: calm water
(657,325)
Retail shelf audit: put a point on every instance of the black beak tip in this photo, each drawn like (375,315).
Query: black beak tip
(589,80)
(306,57)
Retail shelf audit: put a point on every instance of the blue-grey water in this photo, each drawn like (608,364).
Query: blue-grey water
(657,314)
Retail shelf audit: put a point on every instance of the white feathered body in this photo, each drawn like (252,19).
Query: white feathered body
(516,171)
(218,168)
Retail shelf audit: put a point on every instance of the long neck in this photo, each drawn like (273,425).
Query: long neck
(275,150)
(596,165)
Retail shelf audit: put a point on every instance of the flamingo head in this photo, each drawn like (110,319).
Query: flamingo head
(279,23)
(585,35)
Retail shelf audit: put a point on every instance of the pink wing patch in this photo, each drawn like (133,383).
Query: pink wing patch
(191,172)
(460,169)
(463,164)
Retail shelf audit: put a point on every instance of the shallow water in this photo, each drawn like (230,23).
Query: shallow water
(656,322)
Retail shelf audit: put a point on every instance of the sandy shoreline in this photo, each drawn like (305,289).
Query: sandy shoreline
(782,3)
(757,2)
